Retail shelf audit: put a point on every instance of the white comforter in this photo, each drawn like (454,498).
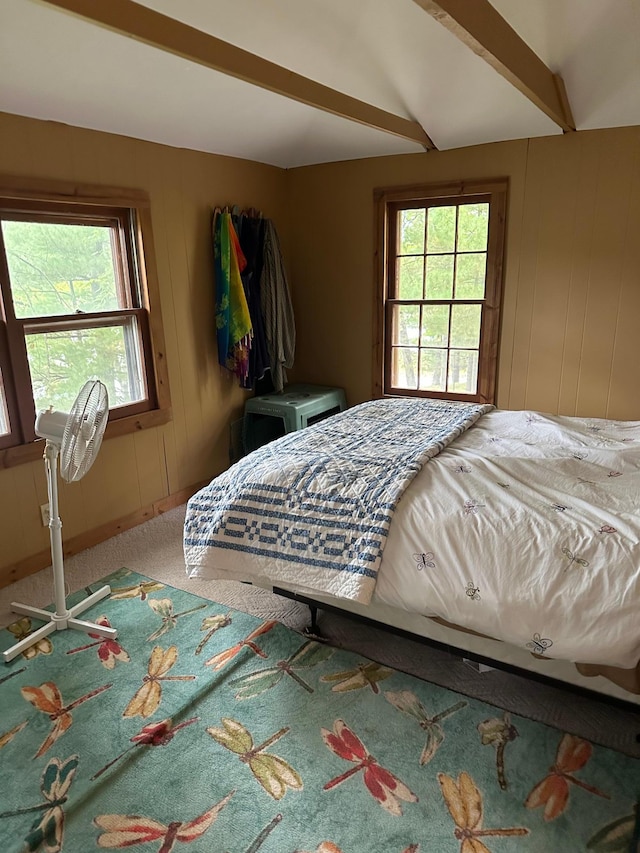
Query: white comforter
(527,528)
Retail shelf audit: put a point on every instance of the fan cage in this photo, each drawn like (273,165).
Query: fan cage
(84,431)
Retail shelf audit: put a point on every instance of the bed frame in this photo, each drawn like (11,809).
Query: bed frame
(481,650)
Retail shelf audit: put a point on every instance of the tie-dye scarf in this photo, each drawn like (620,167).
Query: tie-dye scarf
(233,323)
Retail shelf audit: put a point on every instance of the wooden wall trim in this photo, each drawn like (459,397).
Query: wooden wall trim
(39,561)
(22,453)
(51,190)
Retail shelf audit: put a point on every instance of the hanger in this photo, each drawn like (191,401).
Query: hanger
(234,210)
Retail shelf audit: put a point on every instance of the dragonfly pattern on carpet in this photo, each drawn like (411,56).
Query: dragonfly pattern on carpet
(243,736)
(48,829)
(109,650)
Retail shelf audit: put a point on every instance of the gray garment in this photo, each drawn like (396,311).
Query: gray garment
(279,323)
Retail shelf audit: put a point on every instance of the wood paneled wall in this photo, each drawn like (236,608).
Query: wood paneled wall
(571,309)
(571,306)
(137,471)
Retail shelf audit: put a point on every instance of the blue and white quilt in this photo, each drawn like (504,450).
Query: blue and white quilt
(312,509)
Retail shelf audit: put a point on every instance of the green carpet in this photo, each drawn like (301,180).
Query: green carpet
(208,731)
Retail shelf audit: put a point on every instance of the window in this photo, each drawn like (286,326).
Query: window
(440,276)
(78,300)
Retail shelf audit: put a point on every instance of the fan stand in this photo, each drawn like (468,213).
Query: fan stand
(62,618)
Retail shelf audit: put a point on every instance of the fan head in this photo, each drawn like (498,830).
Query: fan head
(83,430)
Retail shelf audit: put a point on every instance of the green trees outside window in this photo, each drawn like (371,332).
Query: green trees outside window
(62,269)
(77,286)
(440,290)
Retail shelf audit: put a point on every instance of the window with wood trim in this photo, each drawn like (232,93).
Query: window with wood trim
(78,300)
(440,280)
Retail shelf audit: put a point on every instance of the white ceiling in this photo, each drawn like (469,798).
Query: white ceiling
(393,55)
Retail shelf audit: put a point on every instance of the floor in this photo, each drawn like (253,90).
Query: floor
(155,549)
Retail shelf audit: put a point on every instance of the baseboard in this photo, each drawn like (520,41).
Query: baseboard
(29,565)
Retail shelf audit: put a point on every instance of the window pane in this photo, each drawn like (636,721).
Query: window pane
(439,277)
(441,229)
(404,367)
(406,325)
(463,372)
(411,237)
(62,361)
(470,276)
(410,278)
(433,369)
(473,227)
(56,268)
(435,325)
(465,325)
(4,415)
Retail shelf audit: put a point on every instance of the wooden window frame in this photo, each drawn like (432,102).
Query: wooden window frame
(388,202)
(128,213)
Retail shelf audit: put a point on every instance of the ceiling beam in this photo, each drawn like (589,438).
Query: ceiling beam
(150,27)
(480,27)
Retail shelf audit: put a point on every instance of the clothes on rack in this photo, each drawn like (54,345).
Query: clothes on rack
(250,230)
(254,313)
(233,320)
(277,309)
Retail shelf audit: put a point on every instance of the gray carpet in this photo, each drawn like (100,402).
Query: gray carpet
(155,549)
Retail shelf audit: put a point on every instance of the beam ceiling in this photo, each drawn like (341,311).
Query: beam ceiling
(481,28)
(150,27)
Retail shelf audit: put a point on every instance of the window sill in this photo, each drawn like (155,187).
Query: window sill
(23,453)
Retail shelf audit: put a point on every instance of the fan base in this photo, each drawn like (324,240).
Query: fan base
(59,622)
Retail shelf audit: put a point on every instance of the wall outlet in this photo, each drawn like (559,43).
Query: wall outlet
(44,512)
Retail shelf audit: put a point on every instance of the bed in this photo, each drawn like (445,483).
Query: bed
(513,537)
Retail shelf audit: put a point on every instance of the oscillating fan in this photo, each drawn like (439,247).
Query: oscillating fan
(75,439)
